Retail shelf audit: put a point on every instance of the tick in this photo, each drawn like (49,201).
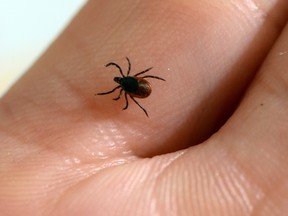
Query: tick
(134,86)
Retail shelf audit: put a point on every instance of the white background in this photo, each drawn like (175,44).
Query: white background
(26,29)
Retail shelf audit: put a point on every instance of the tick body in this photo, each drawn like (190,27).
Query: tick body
(133,86)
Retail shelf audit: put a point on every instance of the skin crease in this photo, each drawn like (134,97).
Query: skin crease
(66,151)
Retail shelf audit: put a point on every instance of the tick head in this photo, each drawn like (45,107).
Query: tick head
(118,79)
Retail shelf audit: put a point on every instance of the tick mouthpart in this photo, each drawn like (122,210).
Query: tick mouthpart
(118,79)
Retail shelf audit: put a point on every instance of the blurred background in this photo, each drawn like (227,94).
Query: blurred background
(27,28)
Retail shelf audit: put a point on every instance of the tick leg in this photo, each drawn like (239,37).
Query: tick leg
(116,65)
(142,72)
(149,76)
(139,106)
(104,93)
(119,95)
(126,99)
(129,66)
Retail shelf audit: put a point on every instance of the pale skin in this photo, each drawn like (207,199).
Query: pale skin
(65,151)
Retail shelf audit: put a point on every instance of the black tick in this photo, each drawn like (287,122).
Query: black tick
(133,86)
